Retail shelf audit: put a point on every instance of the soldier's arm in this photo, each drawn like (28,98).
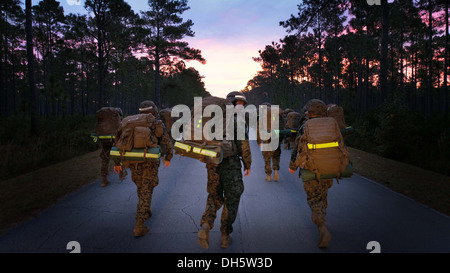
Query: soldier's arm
(292,164)
(245,153)
(165,140)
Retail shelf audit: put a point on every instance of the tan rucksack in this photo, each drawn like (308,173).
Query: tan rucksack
(108,122)
(337,112)
(137,138)
(322,150)
(294,120)
(166,116)
(207,149)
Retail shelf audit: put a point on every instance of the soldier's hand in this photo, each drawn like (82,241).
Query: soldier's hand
(247,172)
(291,171)
(166,163)
(117,169)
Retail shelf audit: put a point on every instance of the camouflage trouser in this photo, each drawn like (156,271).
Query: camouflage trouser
(104,155)
(316,196)
(271,160)
(225,187)
(145,176)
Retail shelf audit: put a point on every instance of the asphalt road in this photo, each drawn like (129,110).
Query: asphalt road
(273,217)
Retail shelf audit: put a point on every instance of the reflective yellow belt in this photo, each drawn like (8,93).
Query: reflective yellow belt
(96,138)
(204,152)
(134,154)
(185,147)
(196,150)
(323,145)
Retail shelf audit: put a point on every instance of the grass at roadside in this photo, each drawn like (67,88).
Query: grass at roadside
(23,197)
(426,187)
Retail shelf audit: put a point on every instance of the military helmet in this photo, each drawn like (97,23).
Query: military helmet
(236,95)
(316,107)
(148,106)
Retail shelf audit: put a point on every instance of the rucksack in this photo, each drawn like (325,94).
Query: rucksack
(137,138)
(107,123)
(207,149)
(165,116)
(294,120)
(337,112)
(321,149)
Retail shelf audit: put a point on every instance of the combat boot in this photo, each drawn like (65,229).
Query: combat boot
(203,236)
(324,236)
(268,178)
(140,229)
(105,181)
(275,175)
(225,240)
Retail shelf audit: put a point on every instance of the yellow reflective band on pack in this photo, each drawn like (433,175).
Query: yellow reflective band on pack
(185,147)
(94,138)
(294,131)
(134,154)
(204,152)
(323,145)
(106,137)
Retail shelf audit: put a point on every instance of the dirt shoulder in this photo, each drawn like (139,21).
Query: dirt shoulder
(426,187)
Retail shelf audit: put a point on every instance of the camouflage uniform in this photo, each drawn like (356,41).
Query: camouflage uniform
(104,155)
(272,158)
(145,176)
(225,187)
(316,191)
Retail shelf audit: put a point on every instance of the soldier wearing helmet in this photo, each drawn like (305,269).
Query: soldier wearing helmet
(145,174)
(271,158)
(225,186)
(237,98)
(316,191)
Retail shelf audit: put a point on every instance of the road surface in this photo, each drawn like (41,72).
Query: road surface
(273,217)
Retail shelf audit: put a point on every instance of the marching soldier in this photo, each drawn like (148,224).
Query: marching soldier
(271,158)
(225,187)
(145,174)
(316,191)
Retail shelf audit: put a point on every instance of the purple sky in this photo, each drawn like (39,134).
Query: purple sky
(228,32)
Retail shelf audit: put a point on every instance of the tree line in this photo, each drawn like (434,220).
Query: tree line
(359,56)
(52,64)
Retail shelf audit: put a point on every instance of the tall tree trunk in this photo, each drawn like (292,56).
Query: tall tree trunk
(384,50)
(430,58)
(157,99)
(445,99)
(31,81)
(101,65)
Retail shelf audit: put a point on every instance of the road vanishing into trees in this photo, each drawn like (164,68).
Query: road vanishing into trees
(273,217)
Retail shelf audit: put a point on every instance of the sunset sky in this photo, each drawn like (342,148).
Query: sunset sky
(228,32)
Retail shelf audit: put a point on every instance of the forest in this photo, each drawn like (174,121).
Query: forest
(387,65)
(57,70)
